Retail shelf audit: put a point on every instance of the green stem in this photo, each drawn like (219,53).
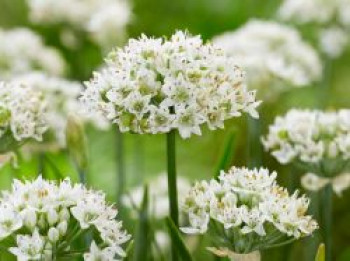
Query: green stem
(172,185)
(121,166)
(327,212)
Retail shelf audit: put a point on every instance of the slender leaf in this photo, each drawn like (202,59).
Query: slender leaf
(176,238)
(228,152)
(321,253)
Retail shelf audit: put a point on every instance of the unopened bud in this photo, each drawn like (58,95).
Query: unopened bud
(62,228)
(53,235)
(52,216)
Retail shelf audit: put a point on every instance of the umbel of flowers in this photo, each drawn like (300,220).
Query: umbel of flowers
(274,56)
(22,51)
(156,85)
(315,140)
(329,18)
(22,115)
(45,220)
(105,20)
(245,211)
(61,97)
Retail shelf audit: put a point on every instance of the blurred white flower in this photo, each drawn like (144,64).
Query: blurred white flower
(61,97)
(274,55)
(158,195)
(246,206)
(320,139)
(22,51)
(106,20)
(155,85)
(333,41)
(331,18)
(22,115)
(39,214)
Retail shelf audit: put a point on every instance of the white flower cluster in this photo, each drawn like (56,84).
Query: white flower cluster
(22,114)
(104,19)
(61,97)
(22,50)
(274,55)
(311,137)
(155,85)
(245,210)
(44,218)
(330,16)
(158,194)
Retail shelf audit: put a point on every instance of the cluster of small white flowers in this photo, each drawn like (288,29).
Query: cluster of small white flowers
(104,19)
(248,210)
(158,194)
(22,113)
(44,217)
(330,16)
(61,97)
(22,50)
(310,136)
(155,85)
(274,55)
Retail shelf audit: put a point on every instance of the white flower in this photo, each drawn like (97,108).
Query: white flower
(105,20)
(22,112)
(330,20)
(155,85)
(48,210)
(310,137)
(61,97)
(245,208)
(274,55)
(10,221)
(29,247)
(22,51)
(97,254)
(333,41)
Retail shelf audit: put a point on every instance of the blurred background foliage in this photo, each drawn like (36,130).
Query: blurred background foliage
(197,157)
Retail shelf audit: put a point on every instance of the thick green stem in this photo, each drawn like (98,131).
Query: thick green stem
(172,185)
(120,173)
(327,212)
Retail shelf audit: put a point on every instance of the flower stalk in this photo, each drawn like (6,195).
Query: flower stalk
(327,219)
(172,184)
(120,173)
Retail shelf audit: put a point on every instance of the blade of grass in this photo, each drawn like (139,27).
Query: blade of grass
(228,152)
(321,253)
(179,243)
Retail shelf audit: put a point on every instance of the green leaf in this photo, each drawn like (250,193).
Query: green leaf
(321,253)
(179,243)
(142,244)
(228,152)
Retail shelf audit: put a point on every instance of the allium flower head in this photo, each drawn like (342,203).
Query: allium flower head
(44,216)
(104,19)
(245,211)
(313,138)
(274,55)
(61,97)
(155,85)
(329,17)
(22,51)
(22,115)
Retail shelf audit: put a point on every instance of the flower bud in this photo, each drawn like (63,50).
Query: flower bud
(30,218)
(62,227)
(52,216)
(64,214)
(53,235)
